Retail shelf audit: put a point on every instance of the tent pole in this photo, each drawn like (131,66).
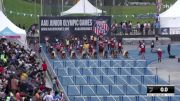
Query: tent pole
(84,7)
(41,8)
(35,10)
(62,6)
(96,8)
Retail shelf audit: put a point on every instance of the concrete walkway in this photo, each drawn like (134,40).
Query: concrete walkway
(168,67)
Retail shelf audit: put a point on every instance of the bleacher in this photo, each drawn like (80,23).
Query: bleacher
(108,80)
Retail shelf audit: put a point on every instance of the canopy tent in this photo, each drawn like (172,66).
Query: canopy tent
(171,17)
(10,30)
(83,7)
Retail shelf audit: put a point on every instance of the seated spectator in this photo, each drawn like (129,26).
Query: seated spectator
(37,96)
(23,76)
(48,97)
(57,97)
(14,85)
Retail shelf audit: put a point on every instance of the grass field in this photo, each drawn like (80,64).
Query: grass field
(21,7)
(25,13)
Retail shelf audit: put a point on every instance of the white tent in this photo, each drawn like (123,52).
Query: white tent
(10,30)
(83,7)
(171,17)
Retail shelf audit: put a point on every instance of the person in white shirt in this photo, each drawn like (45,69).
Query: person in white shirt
(48,97)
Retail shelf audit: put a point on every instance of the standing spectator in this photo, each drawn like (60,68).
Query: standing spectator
(14,85)
(159,53)
(152,28)
(169,49)
(37,96)
(142,29)
(39,50)
(48,97)
(124,28)
(138,26)
(47,45)
(1,69)
(44,68)
(146,27)
(18,96)
(57,97)
(55,83)
(129,27)
(62,95)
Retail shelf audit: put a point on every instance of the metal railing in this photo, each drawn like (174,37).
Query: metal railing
(52,74)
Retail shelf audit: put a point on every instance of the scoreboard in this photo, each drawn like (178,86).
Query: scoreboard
(160,90)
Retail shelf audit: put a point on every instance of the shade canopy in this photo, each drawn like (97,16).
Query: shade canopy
(10,30)
(83,7)
(171,17)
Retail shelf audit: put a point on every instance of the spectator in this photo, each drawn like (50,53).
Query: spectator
(44,67)
(142,29)
(48,97)
(18,96)
(37,96)
(14,84)
(55,83)
(57,97)
(138,25)
(19,72)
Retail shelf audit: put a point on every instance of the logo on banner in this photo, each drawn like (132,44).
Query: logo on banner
(164,31)
(101,27)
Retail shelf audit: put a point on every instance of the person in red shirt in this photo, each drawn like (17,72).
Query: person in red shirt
(101,48)
(159,53)
(1,69)
(42,87)
(120,47)
(44,67)
(143,51)
(109,44)
(91,50)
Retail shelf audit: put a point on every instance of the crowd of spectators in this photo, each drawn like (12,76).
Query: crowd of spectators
(22,77)
(128,28)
